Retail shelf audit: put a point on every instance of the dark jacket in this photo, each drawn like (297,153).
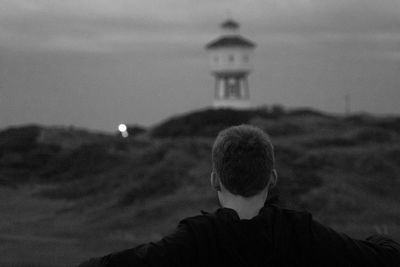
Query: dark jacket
(275,237)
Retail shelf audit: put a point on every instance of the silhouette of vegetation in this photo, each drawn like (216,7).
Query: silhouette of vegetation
(19,139)
(135,130)
(206,123)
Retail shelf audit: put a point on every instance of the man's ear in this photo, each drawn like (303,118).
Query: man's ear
(273,179)
(215,183)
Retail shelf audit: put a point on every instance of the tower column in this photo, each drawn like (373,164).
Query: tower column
(242,88)
(221,88)
(246,88)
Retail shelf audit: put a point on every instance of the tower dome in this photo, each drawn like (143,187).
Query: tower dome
(230,26)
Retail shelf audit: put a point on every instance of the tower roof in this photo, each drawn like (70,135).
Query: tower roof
(230,41)
(230,24)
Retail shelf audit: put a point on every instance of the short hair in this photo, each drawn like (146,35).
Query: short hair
(243,159)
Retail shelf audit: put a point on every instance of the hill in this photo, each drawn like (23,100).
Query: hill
(68,194)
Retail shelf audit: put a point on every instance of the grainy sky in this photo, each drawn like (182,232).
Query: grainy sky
(96,63)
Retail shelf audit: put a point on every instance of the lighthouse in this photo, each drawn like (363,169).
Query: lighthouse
(230,58)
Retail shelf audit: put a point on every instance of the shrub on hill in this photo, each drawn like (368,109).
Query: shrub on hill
(306,112)
(21,156)
(353,137)
(39,157)
(391,124)
(85,160)
(205,123)
(373,135)
(69,137)
(19,139)
(393,155)
(165,168)
(333,198)
(158,184)
(209,122)
(333,141)
(276,127)
(135,130)
(75,189)
(360,119)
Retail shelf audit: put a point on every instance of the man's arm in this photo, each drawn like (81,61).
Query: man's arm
(335,248)
(177,249)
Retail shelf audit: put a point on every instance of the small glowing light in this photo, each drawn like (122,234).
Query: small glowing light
(124,134)
(122,128)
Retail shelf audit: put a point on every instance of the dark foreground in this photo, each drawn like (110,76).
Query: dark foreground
(68,194)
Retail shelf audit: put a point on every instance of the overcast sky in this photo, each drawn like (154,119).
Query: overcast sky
(96,63)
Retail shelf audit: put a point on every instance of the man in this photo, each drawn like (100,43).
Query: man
(247,230)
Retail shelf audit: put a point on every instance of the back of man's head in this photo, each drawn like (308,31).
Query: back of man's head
(243,159)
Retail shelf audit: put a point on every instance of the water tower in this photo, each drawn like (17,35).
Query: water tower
(230,60)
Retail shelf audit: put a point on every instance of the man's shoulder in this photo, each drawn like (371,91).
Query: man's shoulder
(209,222)
(270,213)
(278,213)
(203,218)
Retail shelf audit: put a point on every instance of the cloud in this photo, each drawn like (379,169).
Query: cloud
(103,25)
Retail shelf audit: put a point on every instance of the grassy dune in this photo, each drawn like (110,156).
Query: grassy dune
(68,194)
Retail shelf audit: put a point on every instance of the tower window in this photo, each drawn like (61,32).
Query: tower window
(231,58)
